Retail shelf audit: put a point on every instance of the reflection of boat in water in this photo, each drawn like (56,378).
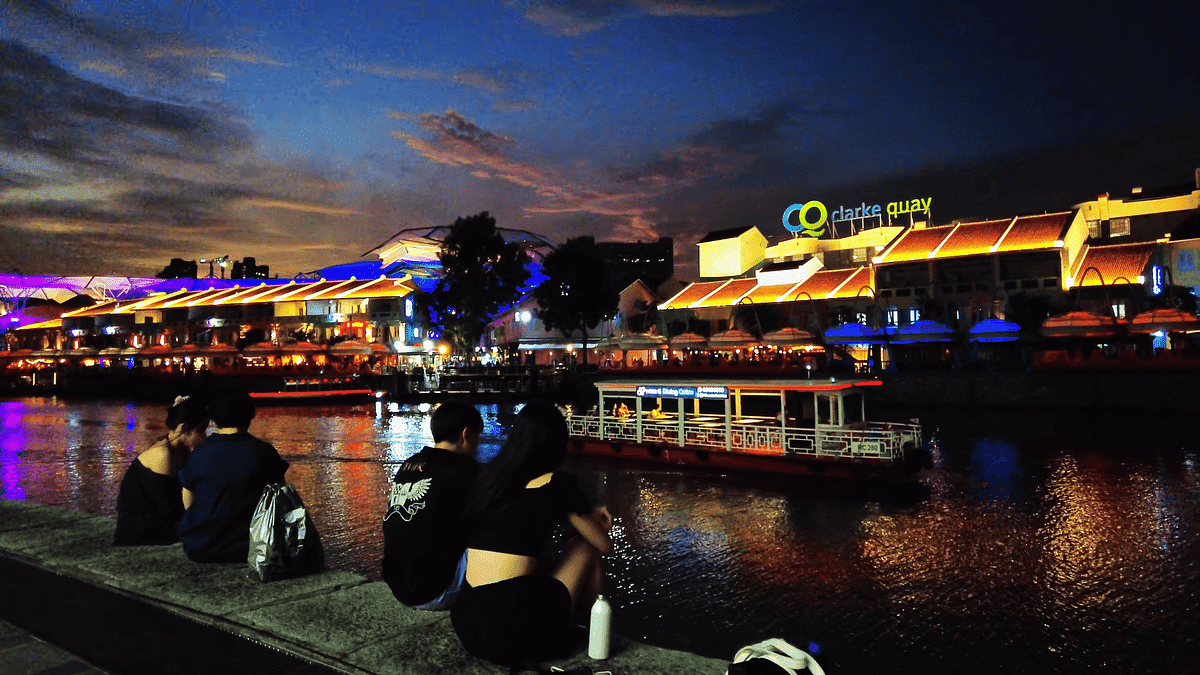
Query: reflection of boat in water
(311,387)
(813,427)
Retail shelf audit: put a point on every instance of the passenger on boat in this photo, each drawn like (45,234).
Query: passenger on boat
(149,506)
(223,480)
(516,607)
(424,544)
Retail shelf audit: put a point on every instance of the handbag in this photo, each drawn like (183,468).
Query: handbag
(773,657)
(283,540)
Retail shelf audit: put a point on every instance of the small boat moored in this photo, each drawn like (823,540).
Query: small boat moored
(813,427)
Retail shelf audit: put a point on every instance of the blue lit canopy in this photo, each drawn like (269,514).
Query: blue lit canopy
(853,334)
(923,331)
(994,330)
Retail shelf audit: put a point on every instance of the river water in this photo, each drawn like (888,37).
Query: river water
(1041,543)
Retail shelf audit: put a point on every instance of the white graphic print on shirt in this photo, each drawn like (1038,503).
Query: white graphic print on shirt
(402,493)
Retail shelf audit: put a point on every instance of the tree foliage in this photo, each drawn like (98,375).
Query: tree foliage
(578,292)
(481,276)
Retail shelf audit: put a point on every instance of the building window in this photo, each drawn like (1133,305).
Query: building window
(1119,309)
(1187,261)
(1118,227)
(408,307)
(914,314)
(1093,229)
(893,315)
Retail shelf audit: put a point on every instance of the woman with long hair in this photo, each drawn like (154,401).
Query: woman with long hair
(150,503)
(512,610)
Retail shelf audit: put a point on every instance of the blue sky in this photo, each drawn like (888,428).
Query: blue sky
(305,133)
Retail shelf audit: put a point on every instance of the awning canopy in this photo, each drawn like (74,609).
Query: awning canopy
(1164,320)
(1082,324)
(922,331)
(733,339)
(789,337)
(853,334)
(994,330)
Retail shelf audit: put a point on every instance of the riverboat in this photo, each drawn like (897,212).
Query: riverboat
(793,426)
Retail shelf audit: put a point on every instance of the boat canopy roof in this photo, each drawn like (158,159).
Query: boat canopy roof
(630,386)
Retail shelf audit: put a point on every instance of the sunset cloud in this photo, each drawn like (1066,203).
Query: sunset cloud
(474,80)
(576,17)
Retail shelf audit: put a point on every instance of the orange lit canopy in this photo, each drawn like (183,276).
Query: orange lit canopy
(1121,264)
(823,285)
(1023,233)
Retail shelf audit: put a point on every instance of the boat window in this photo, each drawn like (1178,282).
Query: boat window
(827,409)
(852,407)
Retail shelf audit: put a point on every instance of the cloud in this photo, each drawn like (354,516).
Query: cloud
(291,205)
(628,199)
(95,179)
(471,79)
(576,17)
(196,53)
(703,8)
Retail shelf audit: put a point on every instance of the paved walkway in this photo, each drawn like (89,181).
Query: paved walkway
(150,609)
(24,654)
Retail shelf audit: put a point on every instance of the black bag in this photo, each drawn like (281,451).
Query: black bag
(773,657)
(283,540)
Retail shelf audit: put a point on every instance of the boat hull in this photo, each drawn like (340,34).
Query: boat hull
(775,464)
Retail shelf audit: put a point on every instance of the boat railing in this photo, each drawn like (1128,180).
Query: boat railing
(877,440)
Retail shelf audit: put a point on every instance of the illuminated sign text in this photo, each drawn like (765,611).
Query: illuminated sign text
(662,391)
(810,217)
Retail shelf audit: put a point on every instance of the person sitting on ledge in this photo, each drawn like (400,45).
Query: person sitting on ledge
(223,481)
(424,544)
(514,608)
(148,504)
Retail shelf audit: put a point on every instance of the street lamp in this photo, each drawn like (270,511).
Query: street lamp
(222,261)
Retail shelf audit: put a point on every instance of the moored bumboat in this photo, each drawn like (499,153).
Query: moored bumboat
(813,427)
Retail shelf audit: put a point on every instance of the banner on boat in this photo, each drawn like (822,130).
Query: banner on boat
(661,391)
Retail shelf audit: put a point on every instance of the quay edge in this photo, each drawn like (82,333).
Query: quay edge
(336,619)
(1171,393)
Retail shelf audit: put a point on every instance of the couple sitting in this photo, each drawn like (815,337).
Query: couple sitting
(198,488)
(474,540)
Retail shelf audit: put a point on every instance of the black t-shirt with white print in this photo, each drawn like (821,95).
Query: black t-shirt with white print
(423,537)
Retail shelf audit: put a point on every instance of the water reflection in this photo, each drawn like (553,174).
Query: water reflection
(1033,552)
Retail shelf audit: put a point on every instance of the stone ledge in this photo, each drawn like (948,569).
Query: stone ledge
(334,618)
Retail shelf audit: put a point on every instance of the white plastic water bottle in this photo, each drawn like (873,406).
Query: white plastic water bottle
(599,631)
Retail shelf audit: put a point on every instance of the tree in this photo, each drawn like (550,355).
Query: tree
(578,292)
(481,275)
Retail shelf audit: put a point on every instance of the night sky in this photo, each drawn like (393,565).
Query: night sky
(306,133)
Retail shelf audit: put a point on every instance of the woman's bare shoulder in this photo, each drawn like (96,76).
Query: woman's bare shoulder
(157,458)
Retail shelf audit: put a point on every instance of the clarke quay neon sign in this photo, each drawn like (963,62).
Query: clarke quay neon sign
(812,216)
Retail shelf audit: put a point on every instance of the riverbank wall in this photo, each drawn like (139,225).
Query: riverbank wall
(1143,392)
(337,620)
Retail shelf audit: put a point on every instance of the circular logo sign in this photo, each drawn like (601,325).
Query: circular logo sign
(809,225)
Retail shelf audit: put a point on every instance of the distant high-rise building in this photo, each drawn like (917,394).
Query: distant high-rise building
(652,262)
(247,269)
(179,269)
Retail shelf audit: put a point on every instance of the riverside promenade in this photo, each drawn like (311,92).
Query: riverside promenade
(70,603)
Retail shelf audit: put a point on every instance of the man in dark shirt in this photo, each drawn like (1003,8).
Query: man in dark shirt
(424,546)
(223,480)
